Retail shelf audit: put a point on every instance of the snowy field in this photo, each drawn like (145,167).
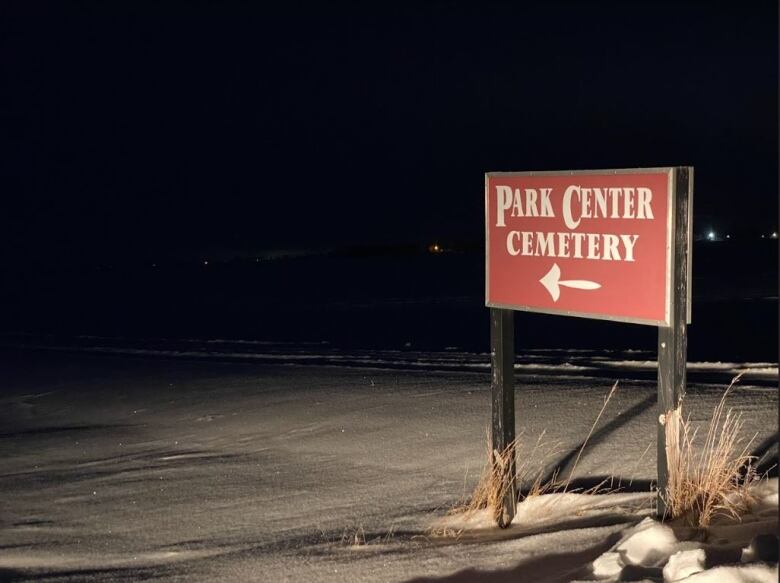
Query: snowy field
(119,468)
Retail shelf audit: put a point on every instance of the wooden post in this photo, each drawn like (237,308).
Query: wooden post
(673,341)
(502,357)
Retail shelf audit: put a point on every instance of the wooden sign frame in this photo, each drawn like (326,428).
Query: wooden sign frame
(672,358)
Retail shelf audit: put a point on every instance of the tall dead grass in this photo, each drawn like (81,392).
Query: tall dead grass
(711,480)
(495,479)
(704,481)
(531,469)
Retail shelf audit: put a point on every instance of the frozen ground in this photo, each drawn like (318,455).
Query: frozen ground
(115,468)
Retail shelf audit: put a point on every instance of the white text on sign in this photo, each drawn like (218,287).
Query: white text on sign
(577,203)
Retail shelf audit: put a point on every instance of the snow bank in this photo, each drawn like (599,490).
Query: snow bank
(650,544)
(728,552)
(683,564)
(735,574)
(535,513)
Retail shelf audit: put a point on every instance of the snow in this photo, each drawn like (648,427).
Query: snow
(119,468)
(683,564)
(649,544)
(656,551)
(736,574)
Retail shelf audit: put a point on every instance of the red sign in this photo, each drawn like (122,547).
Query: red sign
(595,244)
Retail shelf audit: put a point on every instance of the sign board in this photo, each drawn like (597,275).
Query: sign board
(593,243)
(608,244)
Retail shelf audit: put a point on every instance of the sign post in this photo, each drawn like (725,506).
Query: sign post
(502,388)
(673,339)
(605,244)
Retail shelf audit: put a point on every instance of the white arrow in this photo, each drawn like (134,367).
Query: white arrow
(552,281)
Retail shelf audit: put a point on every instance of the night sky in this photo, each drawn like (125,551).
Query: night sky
(142,132)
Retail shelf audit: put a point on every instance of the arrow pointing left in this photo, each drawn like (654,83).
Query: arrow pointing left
(552,282)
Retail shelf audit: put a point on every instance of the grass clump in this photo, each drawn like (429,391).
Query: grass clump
(531,470)
(495,480)
(715,479)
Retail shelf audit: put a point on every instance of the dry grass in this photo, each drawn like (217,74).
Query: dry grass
(704,482)
(493,482)
(356,538)
(715,479)
(530,470)
(584,443)
(495,479)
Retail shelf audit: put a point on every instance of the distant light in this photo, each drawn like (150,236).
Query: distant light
(205,262)
(774,235)
(711,235)
(728,236)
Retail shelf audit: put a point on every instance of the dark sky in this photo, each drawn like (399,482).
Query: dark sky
(138,131)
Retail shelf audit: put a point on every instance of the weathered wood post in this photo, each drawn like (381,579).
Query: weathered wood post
(502,355)
(673,340)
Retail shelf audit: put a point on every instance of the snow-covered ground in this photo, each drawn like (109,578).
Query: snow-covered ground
(117,468)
